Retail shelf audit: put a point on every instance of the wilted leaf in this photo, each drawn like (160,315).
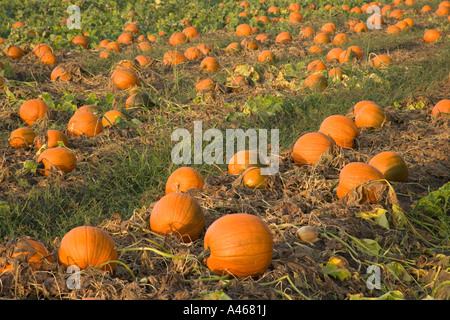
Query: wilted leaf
(378,216)
(336,267)
(398,271)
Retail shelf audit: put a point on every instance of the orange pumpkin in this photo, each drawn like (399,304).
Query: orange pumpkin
(124,78)
(52,139)
(443,106)
(356,174)
(193,53)
(393,30)
(29,250)
(359,105)
(111,118)
(48,58)
(85,123)
(191,32)
(391,165)
(336,73)
(210,64)
(381,61)
(315,66)
(172,58)
(244,159)
(145,46)
(250,44)
(15,52)
(283,37)
(59,73)
(316,82)
(125,38)
(80,41)
(334,54)
(310,147)
(183,179)
(88,246)
(177,38)
(307,32)
(431,36)
(370,116)
(58,158)
(207,84)
(240,245)
(252,178)
(33,111)
(341,129)
(266,56)
(340,40)
(113,46)
(143,60)
(22,137)
(178,214)
(322,37)
(41,48)
(243,30)
(204,48)
(131,27)
(92,108)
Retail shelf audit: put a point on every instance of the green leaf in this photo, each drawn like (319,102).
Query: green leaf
(335,267)
(378,216)
(399,272)
(216,295)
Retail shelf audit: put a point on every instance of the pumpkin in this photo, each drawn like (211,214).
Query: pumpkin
(443,10)
(104,43)
(261,37)
(143,60)
(85,123)
(113,46)
(431,36)
(266,56)
(191,32)
(341,129)
(125,38)
(334,54)
(396,14)
(360,27)
(295,17)
(442,106)
(52,139)
(315,66)
(322,37)
(293,7)
(283,37)
(240,244)
(48,58)
(359,105)
(210,64)
(391,165)
(309,148)
(403,25)
(336,73)
(124,78)
(29,250)
(426,8)
(233,47)
(204,48)
(80,41)
(252,178)
(340,40)
(22,137)
(58,158)
(145,46)
(179,214)
(88,246)
(15,52)
(131,27)
(138,100)
(329,28)
(393,30)
(59,73)
(33,111)
(207,84)
(177,38)
(381,61)
(111,118)
(370,116)
(316,82)
(172,58)
(354,175)
(92,108)
(183,179)
(193,53)
(315,50)
(250,44)
(307,32)
(244,159)
(41,48)
(243,30)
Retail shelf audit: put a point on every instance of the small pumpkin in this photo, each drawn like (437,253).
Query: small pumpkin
(370,116)
(48,58)
(233,47)
(432,36)
(183,179)
(316,66)
(391,165)
(204,48)
(15,52)
(244,159)
(88,246)
(111,117)
(309,148)
(86,123)
(131,27)
(393,30)
(266,56)
(22,137)
(340,40)
(59,73)
(124,78)
(355,174)
(250,43)
(243,30)
(191,32)
(29,250)
(307,32)
(360,104)
(341,129)
(125,38)
(207,84)
(58,158)
(173,57)
(92,108)
(80,40)
(336,73)
(443,106)
(381,61)
(113,46)
(177,38)
(145,46)
(52,139)
(33,111)
(178,214)
(322,37)
(316,82)
(193,53)
(41,48)
(253,179)
(210,64)
(240,244)
(283,37)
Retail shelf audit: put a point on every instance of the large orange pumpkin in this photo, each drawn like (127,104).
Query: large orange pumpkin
(243,30)
(33,111)
(310,147)
(442,106)
(85,123)
(370,116)
(431,36)
(391,165)
(179,214)
(183,179)
(240,245)
(58,158)
(125,78)
(360,104)
(88,246)
(341,129)
(356,174)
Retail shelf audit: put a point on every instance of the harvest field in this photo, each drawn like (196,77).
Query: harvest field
(357,207)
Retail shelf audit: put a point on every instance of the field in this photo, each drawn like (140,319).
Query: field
(384,239)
